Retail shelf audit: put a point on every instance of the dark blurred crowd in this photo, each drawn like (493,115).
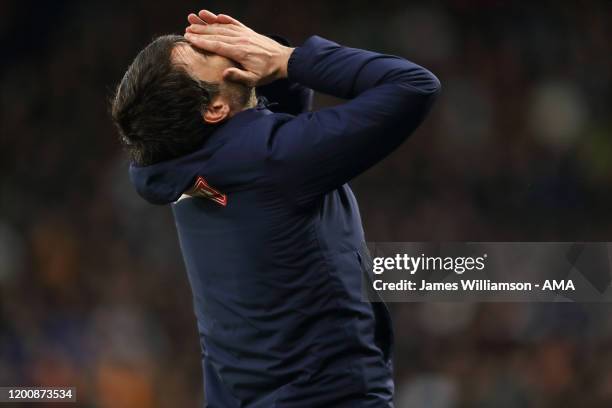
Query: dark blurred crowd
(93,292)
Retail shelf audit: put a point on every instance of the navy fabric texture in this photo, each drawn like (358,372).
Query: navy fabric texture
(276,274)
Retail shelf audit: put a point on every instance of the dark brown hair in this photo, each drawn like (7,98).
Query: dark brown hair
(158,106)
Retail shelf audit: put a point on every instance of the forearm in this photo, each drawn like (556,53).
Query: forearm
(347,72)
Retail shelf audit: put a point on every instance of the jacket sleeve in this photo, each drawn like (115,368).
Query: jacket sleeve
(285,95)
(317,152)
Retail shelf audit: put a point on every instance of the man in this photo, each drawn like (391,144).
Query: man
(269,230)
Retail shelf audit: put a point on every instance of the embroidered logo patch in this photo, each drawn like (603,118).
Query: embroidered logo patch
(202,189)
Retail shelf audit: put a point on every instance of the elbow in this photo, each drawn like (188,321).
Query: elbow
(430,83)
(435,88)
(420,94)
(421,80)
(436,84)
(430,88)
(421,87)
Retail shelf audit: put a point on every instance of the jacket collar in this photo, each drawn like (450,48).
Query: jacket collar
(165,182)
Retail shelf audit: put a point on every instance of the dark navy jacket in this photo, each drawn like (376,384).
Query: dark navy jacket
(273,254)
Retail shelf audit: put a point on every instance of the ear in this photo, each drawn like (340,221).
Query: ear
(216,111)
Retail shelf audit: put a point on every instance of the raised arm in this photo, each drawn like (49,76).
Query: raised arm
(389,98)
(319,151)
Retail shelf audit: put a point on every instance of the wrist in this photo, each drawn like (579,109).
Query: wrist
(284,61)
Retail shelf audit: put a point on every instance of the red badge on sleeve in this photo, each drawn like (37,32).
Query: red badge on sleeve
(202,189)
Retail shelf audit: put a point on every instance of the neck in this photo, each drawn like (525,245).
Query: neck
(248,101)
(252,101)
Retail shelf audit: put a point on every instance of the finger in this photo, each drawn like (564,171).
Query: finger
(207,16)
(241,76)
(220,38)
(218,47)
(212,29)
(194,19)
(225,19)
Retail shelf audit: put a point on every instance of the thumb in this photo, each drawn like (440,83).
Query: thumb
(239,75)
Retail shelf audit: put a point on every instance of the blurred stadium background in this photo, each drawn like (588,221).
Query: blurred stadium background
(519,148)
